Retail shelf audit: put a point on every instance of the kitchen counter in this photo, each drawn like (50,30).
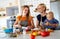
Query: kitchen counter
(53,35)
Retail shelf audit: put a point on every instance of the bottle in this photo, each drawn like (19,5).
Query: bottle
(14,30)
(10,24)
(24,32)
(46,29)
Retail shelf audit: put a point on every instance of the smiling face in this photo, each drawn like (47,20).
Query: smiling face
(41,8)
(50,16)
(25,10)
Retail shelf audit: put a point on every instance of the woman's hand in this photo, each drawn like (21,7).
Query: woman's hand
(30,27)
(19,26)
(15,26)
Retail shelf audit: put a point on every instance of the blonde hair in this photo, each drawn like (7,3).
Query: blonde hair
(42,4)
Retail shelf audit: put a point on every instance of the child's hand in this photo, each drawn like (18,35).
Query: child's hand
(47,23)
(50,24)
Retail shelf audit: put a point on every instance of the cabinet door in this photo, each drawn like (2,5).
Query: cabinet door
(12,11)
(9,11)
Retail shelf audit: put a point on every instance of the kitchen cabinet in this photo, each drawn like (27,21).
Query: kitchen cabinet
(10,11)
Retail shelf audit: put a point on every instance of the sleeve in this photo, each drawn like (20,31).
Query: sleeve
(18,18)
(56,21)
(44,22)
(31,18)
(39,17)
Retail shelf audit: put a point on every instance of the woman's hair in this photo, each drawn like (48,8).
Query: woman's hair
(26,6)
(42,4)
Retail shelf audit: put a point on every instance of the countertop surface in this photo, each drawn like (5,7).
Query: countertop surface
(53,35)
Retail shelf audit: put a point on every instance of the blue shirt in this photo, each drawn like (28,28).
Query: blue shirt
(53,21)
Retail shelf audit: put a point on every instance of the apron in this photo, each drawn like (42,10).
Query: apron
(24,23)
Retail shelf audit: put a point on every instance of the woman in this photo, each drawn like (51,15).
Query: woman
(42,16)
(25,20)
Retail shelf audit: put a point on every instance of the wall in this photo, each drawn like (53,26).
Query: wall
(34,3)
(5,3)
(55,7)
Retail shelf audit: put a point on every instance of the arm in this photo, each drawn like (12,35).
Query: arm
(17,20)
(16,23)
(49,24)
(31,26)
(39,26)
(54,25)
(32,23)
(37,23)
(46,23)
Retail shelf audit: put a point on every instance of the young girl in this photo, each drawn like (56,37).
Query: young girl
(25,20)
(41,8)
(50,22)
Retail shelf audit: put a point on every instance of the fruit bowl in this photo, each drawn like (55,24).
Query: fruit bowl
(8,30)
(49,30)
(35,30)
(45,33)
